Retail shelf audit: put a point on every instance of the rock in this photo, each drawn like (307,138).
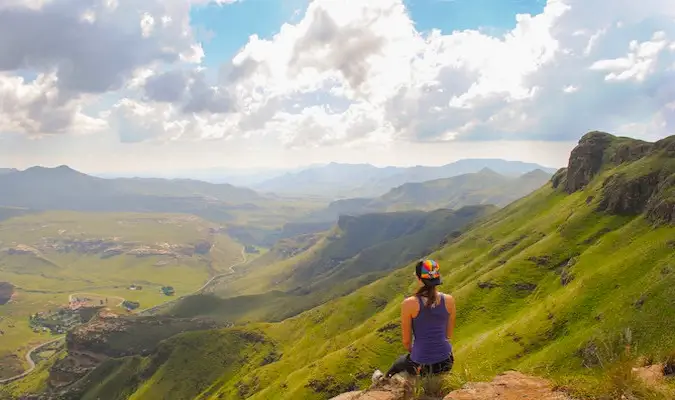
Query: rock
(559,179)
(487,285)
(397,387)
(372,395)
(525,286)
(622,195)
(566,277)
(508,386)
(586,160)
(22,249)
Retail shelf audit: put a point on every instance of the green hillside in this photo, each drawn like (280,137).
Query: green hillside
(356,252)
(555,284)
(482,187)
(46,257)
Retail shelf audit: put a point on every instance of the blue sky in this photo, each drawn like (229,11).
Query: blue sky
(128,86)
(225,29)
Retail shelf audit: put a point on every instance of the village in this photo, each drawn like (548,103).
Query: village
(80,308)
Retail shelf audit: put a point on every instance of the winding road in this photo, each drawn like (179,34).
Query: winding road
(31,363)
(29,357)
(147,311)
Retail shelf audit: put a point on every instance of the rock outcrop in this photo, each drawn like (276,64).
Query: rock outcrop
(109,336)
(110,247)
(586,160)
(646,186)
(508,386)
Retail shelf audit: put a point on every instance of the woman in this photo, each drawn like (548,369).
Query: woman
(429,316)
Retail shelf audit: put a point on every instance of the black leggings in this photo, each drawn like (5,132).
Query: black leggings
(404,363)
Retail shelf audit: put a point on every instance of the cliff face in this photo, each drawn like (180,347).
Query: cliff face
(586,160)
(108,336)
(642,180)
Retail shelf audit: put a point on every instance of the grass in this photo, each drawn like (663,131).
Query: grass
(356,252)
(44,281)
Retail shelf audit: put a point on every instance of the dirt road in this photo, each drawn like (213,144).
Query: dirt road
(31,363)
(231,271)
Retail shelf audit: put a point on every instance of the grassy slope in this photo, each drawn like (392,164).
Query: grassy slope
(358,251)
(525,318)
(46,281)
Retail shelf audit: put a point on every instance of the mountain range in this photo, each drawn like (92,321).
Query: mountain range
(63,188)
(482,187)
(365,180)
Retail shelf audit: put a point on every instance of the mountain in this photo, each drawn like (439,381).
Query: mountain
(63,188)
(7,170)
(233,176)
(482,187)
(365,180)
(302,272)
(574,282)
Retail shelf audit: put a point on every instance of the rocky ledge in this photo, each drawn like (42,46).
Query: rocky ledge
(508,386)
(110,247)
(108,336)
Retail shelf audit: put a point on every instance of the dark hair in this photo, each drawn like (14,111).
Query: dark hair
(430,293)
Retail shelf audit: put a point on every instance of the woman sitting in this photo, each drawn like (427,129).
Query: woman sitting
(427,324)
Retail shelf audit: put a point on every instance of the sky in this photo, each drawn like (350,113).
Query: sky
(169,85)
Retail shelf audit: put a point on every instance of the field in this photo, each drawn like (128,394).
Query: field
(49,256)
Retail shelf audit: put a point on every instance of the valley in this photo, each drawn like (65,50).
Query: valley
(53,259)
(568,277)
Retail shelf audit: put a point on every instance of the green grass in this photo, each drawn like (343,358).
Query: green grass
(356,252)
(44,281)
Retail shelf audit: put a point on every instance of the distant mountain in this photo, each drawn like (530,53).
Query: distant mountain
(7,170)
(483,187)
(233,176)
(63,188)
(332,180)
(365,180)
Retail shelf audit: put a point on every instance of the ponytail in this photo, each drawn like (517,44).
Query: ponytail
(430,293)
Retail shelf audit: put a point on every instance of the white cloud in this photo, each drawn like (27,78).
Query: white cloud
(347,72)
(39,107)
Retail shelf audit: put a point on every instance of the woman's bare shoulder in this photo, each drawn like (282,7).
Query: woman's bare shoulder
(449,300)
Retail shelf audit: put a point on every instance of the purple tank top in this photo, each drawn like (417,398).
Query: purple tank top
(430,344)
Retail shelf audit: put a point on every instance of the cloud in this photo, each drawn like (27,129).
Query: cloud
(347,72)
(38,107)
(93,46)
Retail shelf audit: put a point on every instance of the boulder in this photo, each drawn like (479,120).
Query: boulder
(508,386)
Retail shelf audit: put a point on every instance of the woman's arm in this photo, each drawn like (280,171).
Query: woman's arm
(452,309)
(406,325)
